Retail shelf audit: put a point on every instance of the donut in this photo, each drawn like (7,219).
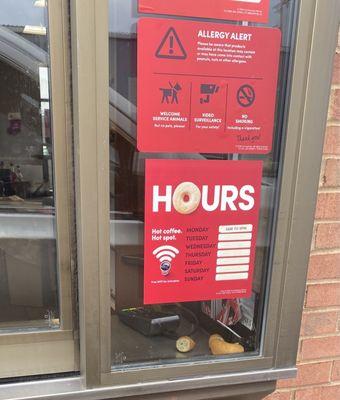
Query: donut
(185,344)
(186,198)
(219,346)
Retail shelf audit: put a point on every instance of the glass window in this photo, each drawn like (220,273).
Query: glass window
(28,254)
(236,320)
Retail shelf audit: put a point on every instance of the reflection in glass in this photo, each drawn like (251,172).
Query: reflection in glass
(28,278)
(237,320)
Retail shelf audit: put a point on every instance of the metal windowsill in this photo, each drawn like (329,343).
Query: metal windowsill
(73,388)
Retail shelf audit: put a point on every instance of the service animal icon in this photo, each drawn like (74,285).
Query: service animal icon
(171,94)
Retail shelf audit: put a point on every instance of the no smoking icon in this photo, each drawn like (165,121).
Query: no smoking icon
(246,96)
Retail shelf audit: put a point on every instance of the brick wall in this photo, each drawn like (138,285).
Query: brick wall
(319,348)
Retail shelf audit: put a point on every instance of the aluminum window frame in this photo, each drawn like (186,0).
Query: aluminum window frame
(31,352)
(90,36)
(91,29)
(311,76)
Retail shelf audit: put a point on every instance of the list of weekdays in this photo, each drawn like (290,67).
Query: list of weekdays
(201,220)
(206,87)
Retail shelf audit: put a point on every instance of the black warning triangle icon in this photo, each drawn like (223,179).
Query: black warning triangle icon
(171,47)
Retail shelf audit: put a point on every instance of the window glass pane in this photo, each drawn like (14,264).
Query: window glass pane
(28,259)
(236,320)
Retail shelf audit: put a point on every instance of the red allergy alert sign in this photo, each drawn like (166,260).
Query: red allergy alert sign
(201,219)
(206,87)
(237,10)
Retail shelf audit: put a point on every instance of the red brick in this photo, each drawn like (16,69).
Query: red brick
(334,105)
(336,371)
(319,393)
(328,206)
(316,348)
(309,374)
(323,295)
(327,236)
(331,392)
(336,69)
(331,176)
(309,394)
(324,266)
(279,396)
(332,140)
(319,323)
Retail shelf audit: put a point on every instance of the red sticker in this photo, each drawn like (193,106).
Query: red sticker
(201,219)
(206,87)
(236,10)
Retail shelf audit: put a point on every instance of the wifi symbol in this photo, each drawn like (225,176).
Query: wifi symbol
(165,253)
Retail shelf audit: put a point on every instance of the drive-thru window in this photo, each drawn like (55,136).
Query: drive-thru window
(159,163)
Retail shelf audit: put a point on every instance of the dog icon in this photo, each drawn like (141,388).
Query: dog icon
(171,94)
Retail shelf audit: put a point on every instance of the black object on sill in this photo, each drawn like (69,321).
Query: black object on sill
(150,322)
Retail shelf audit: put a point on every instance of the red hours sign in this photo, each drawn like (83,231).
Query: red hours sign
(238,10)
(206,87)
(201,219)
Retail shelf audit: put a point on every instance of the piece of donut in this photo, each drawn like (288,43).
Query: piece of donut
(185,344)
(186,198)
(219,346)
